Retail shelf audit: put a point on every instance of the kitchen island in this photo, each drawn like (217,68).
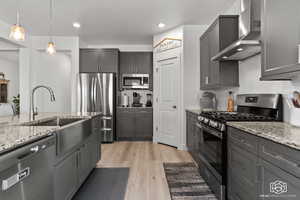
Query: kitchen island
(49,157)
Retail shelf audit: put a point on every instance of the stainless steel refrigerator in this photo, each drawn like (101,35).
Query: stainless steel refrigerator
(97,93)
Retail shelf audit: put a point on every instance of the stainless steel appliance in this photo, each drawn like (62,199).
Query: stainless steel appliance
(249,33)
(213,140)
(27,173)
(124,100)
(135,81)
(149,100)
(208,101)
(97,93)
(136,100)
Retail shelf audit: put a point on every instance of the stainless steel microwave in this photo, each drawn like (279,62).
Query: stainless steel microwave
(135,81)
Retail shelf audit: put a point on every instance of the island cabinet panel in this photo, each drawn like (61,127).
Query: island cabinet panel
(218,74)
(280,39)
(66,179)
(270,170)
(72,168)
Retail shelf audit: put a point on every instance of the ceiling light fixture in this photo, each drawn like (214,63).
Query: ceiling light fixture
(240,49)
(161,25)
(17,32)
(225,57)
(76,25)
(51,47)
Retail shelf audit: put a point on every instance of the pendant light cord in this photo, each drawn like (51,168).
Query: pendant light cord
(18,11)
(51,19)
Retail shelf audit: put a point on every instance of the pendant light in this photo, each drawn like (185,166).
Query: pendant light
(17,32)
(51,47)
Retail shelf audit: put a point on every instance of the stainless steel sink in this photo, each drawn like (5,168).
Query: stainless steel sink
(53,122)
(67,137)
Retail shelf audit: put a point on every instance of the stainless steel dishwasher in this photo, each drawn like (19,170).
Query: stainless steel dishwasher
(27,173)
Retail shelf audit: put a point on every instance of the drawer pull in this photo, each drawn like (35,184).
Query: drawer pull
(279,157)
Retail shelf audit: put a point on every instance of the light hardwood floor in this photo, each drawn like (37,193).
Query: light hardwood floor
(147,179)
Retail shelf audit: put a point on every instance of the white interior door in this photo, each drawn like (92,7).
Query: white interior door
(168,100)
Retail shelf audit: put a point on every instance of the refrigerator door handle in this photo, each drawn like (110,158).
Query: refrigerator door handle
(95,94)
(92,94)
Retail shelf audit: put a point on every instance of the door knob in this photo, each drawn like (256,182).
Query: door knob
(174,107)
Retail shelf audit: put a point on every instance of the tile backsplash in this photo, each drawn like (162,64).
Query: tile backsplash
(143,94)
(249,74)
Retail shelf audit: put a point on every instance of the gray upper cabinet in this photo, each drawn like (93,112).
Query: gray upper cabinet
(280,39)
(218,74)
(88,60)
(136,63)
(99,60)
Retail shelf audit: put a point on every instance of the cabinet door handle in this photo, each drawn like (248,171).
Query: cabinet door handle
(174,107)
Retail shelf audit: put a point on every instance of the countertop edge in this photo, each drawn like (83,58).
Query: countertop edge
(265,135)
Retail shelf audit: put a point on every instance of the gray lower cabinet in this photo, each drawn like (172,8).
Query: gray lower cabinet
(277,182)
(218,74)
(134,124)
(280,39)
(242,173)
(144,125)
(270,171)
(99,60)
(193,135)
(72,171)
(65,178)
(125,124)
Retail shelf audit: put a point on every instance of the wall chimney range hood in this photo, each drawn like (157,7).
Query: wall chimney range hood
(249,31)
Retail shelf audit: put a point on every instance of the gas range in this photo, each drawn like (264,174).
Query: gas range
(212,126)
(218,119)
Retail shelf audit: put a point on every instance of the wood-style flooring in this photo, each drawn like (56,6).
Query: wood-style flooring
(147,179)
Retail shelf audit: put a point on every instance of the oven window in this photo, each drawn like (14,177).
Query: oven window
(211,150)
(132,81)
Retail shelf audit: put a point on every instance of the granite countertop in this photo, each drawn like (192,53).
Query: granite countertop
(196,111)
(131,107)
(13,133)
(279,132)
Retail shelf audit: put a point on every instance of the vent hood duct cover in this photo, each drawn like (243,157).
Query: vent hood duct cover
(249,31)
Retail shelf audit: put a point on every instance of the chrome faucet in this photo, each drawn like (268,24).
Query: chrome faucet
(33,111)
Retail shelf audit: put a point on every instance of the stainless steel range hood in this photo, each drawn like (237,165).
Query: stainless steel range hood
(249,31)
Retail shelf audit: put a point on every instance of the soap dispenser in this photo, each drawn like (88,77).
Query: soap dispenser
(230,102)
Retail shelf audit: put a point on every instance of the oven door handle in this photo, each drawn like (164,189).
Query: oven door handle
(210,130)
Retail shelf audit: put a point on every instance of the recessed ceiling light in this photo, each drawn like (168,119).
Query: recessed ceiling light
(161,25)
(76,25)
(225,57)
(240,49)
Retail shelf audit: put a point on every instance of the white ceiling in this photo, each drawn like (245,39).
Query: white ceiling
(112,21)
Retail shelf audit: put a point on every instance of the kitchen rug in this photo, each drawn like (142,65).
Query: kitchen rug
(104,184)
(185,182)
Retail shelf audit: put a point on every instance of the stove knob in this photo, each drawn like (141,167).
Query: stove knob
(222,127)
(200,118)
